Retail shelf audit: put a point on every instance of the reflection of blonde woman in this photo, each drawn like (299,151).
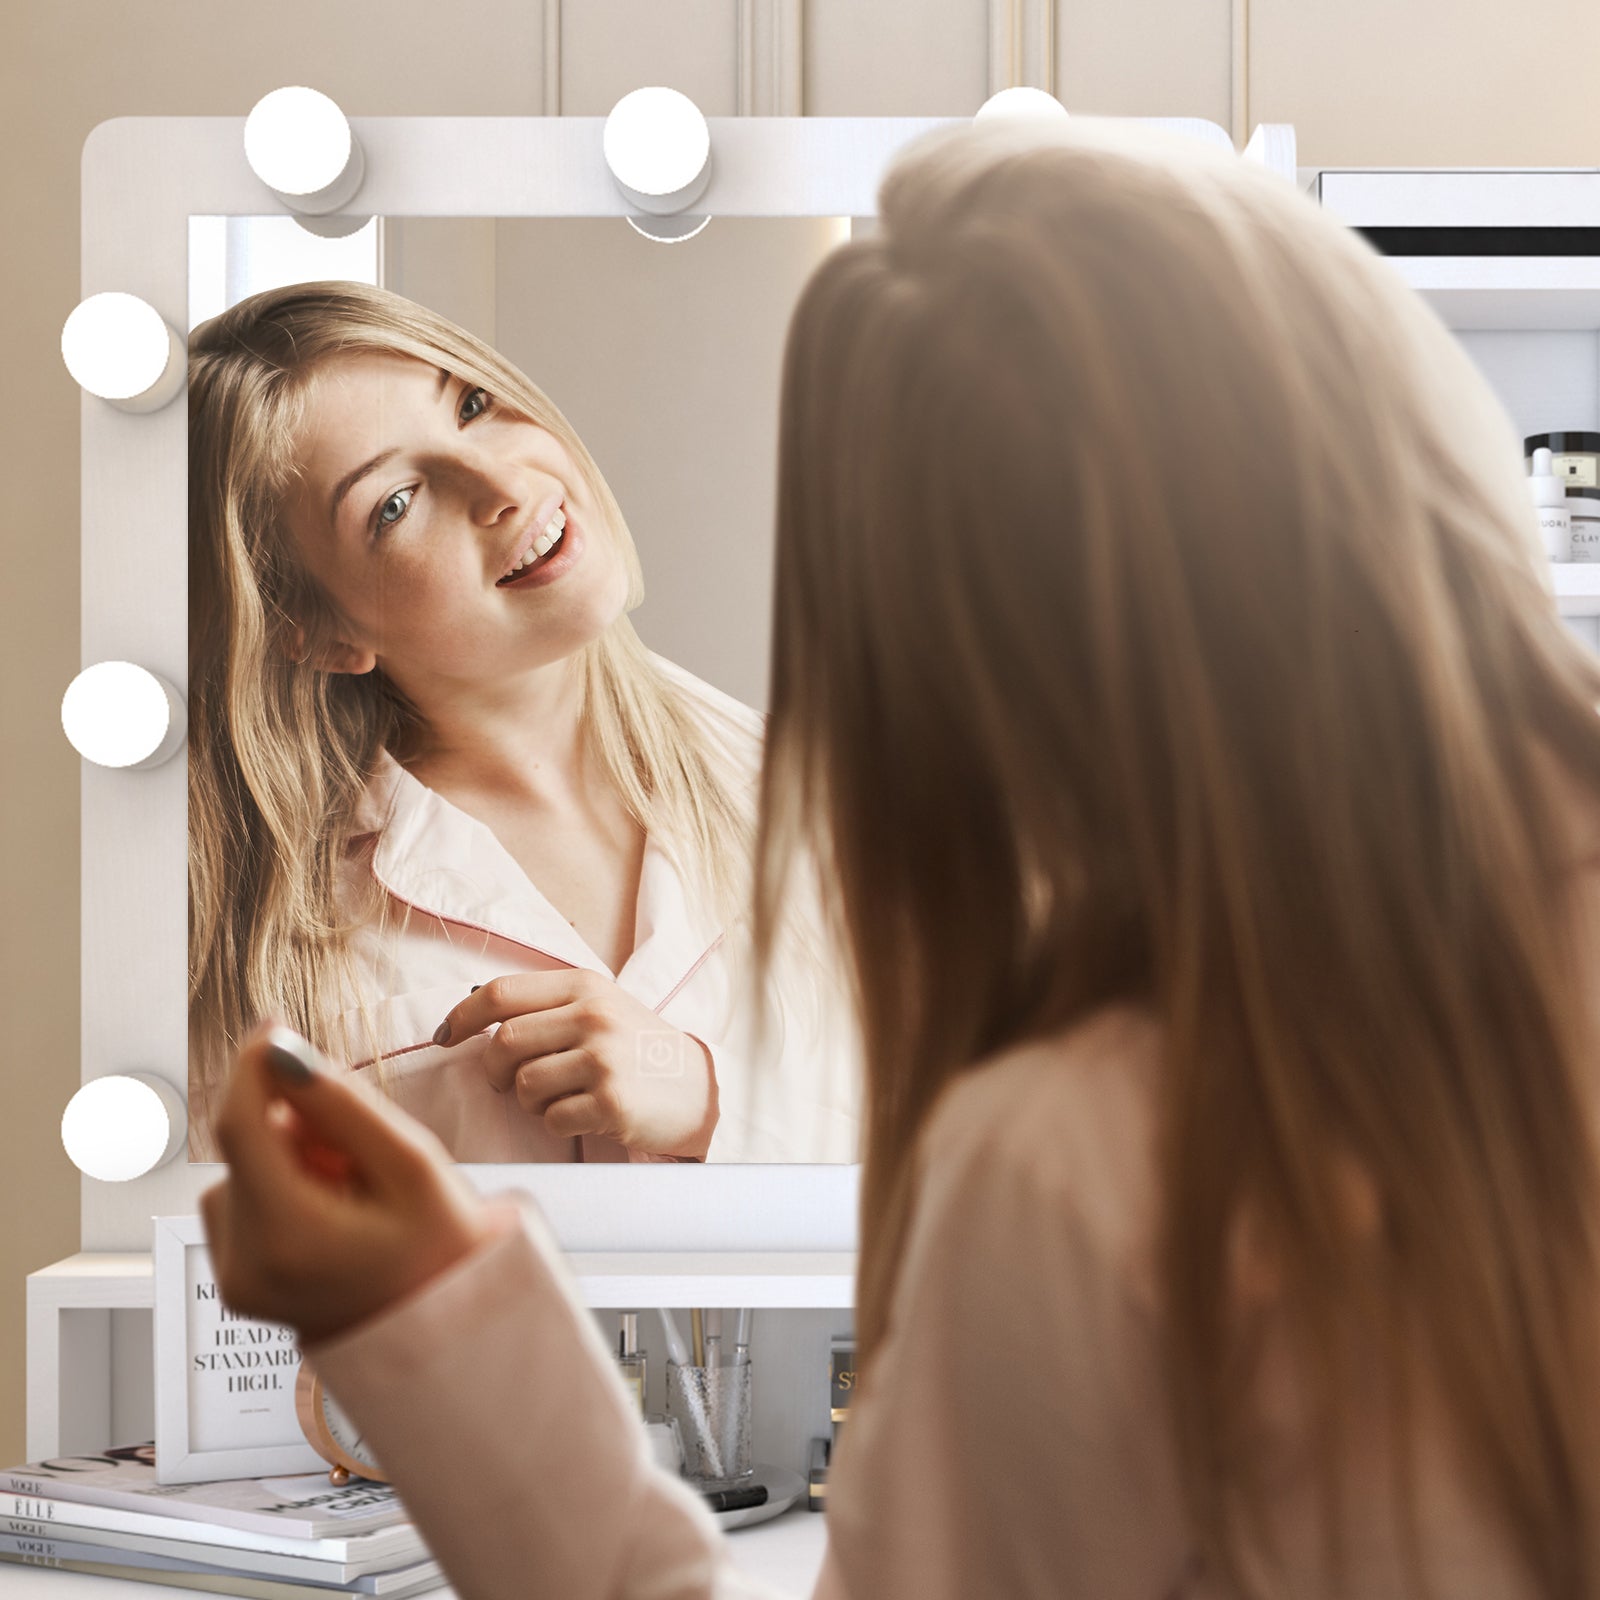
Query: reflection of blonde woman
(433,767)
(1162,660)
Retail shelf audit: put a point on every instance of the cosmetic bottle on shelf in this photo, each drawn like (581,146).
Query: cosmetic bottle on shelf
(1550,502)
(1583,506)
(842,1379)
(630,1358)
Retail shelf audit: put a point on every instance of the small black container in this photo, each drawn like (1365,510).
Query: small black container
(1577,456)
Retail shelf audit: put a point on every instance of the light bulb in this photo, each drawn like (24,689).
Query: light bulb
(668,230)
(120,1127)
(300,144)
(122,349)
(117,714)
(658,147)
(1020,103)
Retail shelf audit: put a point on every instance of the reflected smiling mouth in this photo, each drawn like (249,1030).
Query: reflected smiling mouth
(543,543)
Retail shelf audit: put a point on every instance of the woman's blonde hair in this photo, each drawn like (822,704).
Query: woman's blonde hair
(1159,621)
(280,751)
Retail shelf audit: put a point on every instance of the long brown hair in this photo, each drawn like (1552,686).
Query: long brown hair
(1159,620)
(280,751)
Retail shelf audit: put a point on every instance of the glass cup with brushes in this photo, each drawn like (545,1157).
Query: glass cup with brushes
(708,1392)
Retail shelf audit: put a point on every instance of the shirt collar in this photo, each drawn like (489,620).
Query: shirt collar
(436,857)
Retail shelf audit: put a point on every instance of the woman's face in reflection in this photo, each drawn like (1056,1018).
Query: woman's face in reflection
(418,495)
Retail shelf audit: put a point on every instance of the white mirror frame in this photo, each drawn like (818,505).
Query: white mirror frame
(143,177)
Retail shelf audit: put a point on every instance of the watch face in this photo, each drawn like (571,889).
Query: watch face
(345,1433)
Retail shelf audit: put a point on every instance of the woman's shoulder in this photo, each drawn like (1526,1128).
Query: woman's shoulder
(707,696)
(1067,1121)
(1073,1085)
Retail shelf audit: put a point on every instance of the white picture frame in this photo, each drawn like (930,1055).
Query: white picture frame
(224,1384)
(142,179)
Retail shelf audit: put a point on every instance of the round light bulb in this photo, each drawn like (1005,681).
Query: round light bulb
(668,230)
(340,225)
(117,714)
(123,1126)
(658,147)
(122,349)
(297,141)
(1020,103)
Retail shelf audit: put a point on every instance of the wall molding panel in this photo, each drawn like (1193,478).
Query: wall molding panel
(770,51)
(1239,71)
(1022,45)
(552,60)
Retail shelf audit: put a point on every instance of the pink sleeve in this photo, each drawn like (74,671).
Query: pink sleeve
(494,1405)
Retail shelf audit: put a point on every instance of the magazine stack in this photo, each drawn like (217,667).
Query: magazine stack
(293,1538)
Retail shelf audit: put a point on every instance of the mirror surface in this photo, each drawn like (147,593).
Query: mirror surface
(665,360)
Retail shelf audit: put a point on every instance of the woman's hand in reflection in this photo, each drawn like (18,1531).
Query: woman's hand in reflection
(589,1058)
(336,1204)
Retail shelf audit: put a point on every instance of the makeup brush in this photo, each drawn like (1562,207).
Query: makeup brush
(675,1344)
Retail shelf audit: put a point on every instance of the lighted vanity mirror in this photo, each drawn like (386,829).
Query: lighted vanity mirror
(665,358)
(664,361)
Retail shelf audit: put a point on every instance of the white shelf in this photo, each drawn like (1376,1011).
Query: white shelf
(1530,294)
(70,1306)
(797,1279)
(1577,587)
(1463,197)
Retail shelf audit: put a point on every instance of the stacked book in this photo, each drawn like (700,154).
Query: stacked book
(294,1538)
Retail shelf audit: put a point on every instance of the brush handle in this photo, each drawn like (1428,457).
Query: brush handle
(675,1345)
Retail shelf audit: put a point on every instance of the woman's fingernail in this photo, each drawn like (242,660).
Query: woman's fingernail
(475,988)
(441,1034)
(291,1057)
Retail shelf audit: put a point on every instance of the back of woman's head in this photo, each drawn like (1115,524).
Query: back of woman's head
(1159,621)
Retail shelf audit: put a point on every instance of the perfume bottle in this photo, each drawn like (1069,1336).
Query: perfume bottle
(630,1358)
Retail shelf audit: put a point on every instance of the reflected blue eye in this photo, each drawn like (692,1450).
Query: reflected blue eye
(389,522)
(380,521)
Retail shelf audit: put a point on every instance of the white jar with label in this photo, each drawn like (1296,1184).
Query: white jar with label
(1583,505)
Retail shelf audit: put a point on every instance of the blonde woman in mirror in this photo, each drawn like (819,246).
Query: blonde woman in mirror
(447,815)
(1212,795)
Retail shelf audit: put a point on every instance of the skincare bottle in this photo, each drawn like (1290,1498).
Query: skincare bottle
(1583,505)
(630,1358)
(1550,501)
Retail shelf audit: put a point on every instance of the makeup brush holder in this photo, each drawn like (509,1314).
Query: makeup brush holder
(712,1407)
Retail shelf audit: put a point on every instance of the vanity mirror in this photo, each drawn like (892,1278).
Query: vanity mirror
(616,392)
(665,358)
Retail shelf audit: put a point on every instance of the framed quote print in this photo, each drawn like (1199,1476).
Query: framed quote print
(224,1384)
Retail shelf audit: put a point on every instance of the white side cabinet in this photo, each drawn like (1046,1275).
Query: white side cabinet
(1510,261)
(75,1358)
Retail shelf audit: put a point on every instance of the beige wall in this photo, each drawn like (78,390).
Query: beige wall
(1366,81)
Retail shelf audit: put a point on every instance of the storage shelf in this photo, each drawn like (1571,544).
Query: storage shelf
(1577,587)
(71,1303)
(800,1280)
(1530,294)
